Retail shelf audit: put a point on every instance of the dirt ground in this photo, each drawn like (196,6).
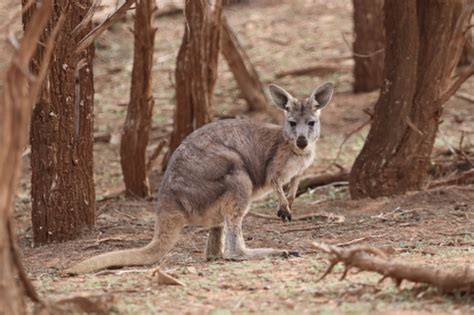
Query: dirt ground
(433,227)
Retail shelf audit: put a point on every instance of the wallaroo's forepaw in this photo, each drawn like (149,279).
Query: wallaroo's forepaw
(284,214)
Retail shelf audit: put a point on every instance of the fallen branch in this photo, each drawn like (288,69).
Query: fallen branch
(372,259)
(321,180)
(465,96)
(320,69)
(465,178)
(155,155)
(320,215)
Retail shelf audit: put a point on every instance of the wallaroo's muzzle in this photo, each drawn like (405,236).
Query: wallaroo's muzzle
(301,142)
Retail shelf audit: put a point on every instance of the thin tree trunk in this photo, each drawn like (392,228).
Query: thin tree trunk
(16,101)
(424,43)
(139,114)
(196,69)
(244,72)
(368,45)
(63,197)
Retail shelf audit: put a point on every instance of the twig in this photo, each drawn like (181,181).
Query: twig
(87,18)
(455,86)
(93,34)
(465,96)
(349,135)
(465,178)
(352,242)
(459,153)
(357,54)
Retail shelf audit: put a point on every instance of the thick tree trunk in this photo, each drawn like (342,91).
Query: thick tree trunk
(63,197)
(368,45)
(139,114)
(242,69)
(196,69)
(17,96)
(424,43)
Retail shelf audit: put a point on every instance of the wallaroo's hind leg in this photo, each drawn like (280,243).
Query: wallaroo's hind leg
(215,243)
(235,246)
(167,230)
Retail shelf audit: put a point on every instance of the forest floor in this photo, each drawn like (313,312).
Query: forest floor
(433,227)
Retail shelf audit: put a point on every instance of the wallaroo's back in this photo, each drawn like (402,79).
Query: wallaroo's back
(216,173)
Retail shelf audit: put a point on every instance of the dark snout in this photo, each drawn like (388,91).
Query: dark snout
(301,142)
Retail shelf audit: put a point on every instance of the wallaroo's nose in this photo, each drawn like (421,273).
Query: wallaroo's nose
(301,142)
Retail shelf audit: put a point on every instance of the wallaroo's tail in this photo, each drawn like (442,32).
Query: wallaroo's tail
(147,255)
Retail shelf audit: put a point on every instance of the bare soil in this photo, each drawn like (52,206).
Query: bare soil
(433,227)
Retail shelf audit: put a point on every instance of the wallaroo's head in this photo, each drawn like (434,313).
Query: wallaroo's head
(301,126)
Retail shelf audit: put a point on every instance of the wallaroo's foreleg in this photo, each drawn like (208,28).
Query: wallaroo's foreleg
(167,231)
(284,211)
(292,190)
(215,243)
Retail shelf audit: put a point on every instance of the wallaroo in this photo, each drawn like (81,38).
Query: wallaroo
(215,174)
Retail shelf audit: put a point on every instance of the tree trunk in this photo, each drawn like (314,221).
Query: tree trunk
(196,69)
(17,96)
(242,69)
(368,45)
(139,114)
(424,43)
(62,186)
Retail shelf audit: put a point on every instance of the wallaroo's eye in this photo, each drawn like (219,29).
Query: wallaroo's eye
(292,123)
(311,123)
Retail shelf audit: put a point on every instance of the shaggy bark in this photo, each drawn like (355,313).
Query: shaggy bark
(424,43)
(63,197)
(372,259)
(244,72)
(368,45)
(139,113)
(196,69)
(20,90)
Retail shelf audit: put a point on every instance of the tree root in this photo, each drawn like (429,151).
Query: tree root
(372,259)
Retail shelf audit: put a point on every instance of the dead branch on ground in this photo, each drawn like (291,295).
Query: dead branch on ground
(465,96)
(309,216)
(465,178)
(372,259)
(320,69)
(321,180)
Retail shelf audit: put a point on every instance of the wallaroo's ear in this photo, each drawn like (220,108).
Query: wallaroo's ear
(281,98)
(322,95)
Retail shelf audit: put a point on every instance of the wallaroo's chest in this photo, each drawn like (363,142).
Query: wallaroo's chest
(295,165)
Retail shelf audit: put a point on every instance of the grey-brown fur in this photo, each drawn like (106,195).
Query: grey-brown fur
(218,170)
